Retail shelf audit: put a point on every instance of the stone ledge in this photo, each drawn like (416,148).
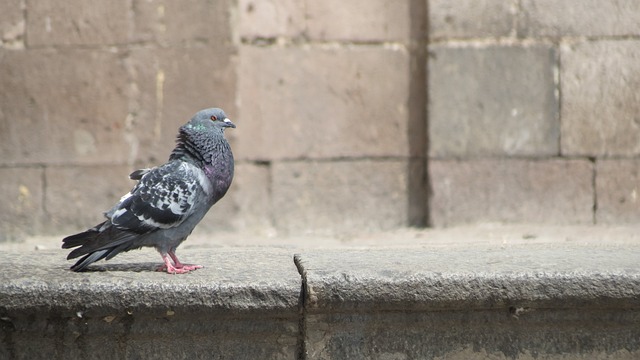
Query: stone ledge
(544,276)
(500,302)
(549,300)
(243,304)
(233,280)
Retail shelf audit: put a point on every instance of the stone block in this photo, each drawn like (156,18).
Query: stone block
(63,107)
(271,18)
(200,20)
(171,85)
(511,191)
(147,20)
(245,207)
(485,302)
(242,304)
(21,209)
(315,102)
(579,18)
(363,20)
(471,18)
(601,98)
(617,191)
(435,278)
(12,24)
(183,22)
(23,133)
(77,196)
(492,101)
(79,22)
(340,196)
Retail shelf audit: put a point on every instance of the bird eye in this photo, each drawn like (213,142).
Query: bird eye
(214,118)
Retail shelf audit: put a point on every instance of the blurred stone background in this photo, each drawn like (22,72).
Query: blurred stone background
(352,116)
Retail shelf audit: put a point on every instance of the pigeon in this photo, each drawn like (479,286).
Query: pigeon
(168,201)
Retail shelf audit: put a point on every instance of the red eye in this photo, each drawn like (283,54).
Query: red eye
(214,118)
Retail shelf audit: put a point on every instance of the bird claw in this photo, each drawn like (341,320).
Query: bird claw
(183,269)
(189,267)
(177,267)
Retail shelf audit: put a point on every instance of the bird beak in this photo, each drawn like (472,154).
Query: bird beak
(228,123)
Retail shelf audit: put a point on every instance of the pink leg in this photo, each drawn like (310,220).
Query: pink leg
(180,265)
(178,268)
(170,268)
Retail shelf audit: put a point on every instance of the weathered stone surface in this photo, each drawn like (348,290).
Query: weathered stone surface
(12,24)
(497,302)
(62,107)
(185,22)
(509,190)
(617,191)
(271,18)
(482,334)
(493,100)
(22,134)
(173,84)
(77,196)
(600,98)
(78,22)
(251,197)
(365,20)
(201,20)
(147,20)
(501,300)
(471,18)
(579,18)
(340,197)
(360,21)
(559,276)
(95,84)
(21,209)
(323,102)
(248,310)
(129,281)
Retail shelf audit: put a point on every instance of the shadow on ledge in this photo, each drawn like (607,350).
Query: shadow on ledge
(125,267)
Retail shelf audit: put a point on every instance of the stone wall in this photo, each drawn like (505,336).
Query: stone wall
(90,90)
(533,111)
(351,117)
(331,98)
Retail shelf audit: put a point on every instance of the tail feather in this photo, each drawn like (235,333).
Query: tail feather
(121,248)
(100,242)
(92,257)
(88,259)
(79,240)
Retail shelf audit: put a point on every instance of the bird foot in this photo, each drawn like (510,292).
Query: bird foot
(177,267)
(178,270)
(183,269)
(191,267)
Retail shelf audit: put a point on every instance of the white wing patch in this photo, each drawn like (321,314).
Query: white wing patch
(118,212)
(203,181)
(163,198)
(126,196)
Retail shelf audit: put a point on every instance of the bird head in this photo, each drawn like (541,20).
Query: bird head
(209,119)
(202,135)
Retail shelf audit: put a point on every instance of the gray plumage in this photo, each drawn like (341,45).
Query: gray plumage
(168,201)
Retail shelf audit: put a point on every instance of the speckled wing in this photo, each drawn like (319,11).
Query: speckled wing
(163,198)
